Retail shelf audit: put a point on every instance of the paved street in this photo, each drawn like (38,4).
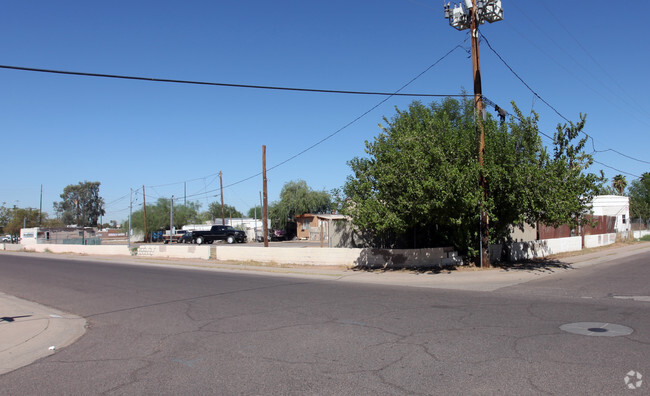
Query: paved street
(155,330)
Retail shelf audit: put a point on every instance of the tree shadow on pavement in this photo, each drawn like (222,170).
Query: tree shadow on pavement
(533,265)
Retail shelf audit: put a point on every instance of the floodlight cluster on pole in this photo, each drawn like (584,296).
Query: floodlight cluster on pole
(486,11)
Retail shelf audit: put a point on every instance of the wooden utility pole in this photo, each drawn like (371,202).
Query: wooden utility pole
(478,102)
(265,208)
(468,15)
(223,213)
(144,206)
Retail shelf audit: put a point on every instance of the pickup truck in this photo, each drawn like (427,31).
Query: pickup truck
(218,233)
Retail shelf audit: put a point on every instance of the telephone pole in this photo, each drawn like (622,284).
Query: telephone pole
(473,13)
(144,209)
(265,205)
(128,232)
(223,213)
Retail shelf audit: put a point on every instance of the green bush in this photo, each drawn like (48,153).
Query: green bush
(645,238)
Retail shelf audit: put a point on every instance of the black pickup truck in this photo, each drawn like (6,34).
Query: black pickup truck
(216,233)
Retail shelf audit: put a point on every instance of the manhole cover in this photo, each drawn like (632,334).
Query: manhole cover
(597,329)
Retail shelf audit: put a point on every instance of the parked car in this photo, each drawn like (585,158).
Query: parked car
(274,235)
(186,238)
(6,238)
(175,238)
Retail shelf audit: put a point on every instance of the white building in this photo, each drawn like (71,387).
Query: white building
(613,205)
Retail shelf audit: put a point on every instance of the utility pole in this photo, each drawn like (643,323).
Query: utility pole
(474,13)
(40,210)
(223,212)
(265,208)
(171,221)
(128,232)
(144,206)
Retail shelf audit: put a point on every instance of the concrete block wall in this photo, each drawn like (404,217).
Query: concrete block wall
(352,257)
(111,250)
(543,248)
(187,251)
(173,251)
(640,234)
(599,240)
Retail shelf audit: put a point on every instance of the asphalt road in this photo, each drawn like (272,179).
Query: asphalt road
(173,331)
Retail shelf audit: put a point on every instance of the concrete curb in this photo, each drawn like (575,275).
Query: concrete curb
(30,331)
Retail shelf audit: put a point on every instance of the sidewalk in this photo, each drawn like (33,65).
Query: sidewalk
(29,330)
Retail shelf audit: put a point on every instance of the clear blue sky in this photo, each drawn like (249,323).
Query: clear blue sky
(590,57)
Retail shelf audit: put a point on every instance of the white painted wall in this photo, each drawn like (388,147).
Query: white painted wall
(174,251)
(375,258)
(543,248)
(599,240)
(640,234)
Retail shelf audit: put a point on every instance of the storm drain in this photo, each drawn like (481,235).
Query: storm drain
(597,329)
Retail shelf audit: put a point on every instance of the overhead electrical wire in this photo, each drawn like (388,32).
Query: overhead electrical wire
(549,105)
(585,70)
(218,84)
(396,93)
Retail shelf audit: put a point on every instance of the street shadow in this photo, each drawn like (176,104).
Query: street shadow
(538,264)
(12,318)
(385,260)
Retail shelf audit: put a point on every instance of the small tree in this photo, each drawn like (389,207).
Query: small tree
(639,193)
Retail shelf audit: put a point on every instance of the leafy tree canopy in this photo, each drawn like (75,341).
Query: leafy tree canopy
(418,186)
(214,211)
(158,215)
(639,193)
(255,212)
(81,204)
(13,219)
(297,198)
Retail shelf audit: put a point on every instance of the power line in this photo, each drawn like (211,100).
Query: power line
(618,170)
(165,80)
(396,93)
(604,70)
(548,104)
(488,101)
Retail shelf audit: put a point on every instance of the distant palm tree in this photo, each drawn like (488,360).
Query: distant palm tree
(619,184)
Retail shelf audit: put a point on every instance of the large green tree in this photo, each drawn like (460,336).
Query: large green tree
(81,204)
(255,212)
(639,193)
(5,216)
(418,185)
(19,218)
(214,211)
(158,215)
(297,198)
